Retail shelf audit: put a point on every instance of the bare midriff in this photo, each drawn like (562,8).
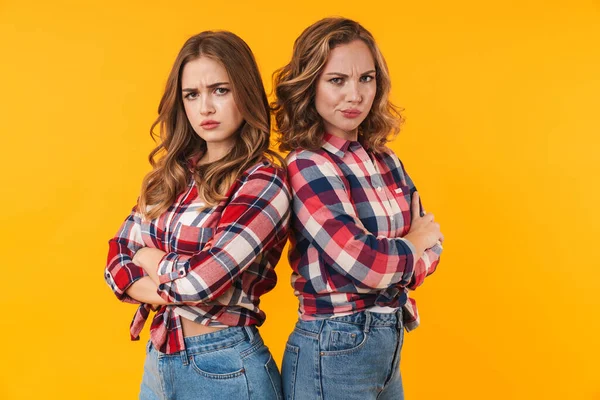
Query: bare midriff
(191,328)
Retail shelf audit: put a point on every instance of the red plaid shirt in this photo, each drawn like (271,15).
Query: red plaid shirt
(219,260)
(351,210)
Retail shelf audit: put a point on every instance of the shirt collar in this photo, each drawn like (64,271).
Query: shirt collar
(336,145)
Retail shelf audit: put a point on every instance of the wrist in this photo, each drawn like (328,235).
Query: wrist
(417,243)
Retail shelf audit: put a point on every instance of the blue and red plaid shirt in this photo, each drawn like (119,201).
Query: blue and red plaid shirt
(351,210)
(219,260)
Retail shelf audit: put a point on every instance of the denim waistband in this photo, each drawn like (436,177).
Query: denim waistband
(365,318)
(213,341)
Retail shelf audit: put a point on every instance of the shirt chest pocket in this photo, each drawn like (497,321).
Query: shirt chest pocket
(403,200)
(190,239)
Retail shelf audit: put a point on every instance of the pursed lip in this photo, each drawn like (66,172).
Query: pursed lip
(351,112)
(209,124)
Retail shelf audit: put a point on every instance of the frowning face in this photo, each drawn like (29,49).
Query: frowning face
(209,103)
(346,89)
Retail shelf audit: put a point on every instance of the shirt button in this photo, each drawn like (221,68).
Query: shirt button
(379,188)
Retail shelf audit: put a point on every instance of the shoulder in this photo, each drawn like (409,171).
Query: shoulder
(302,158)
(265,170)
(388,156)
(264,177)
(386,152)
(313,168)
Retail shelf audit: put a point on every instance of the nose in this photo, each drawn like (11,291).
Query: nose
(206,105)
(353,94)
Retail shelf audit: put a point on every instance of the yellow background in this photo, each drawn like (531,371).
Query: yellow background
(501,101)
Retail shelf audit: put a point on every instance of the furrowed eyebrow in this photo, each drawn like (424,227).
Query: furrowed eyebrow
(346,76)
(214,85)
(337,74)
(211,86)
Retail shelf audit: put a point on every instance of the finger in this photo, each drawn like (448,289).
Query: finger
(415,207)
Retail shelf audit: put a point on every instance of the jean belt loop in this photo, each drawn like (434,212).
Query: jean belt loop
(316,327)
(367,321)
(184,356)
(249,333)
(399,323)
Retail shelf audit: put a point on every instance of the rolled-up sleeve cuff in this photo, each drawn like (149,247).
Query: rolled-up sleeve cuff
(126,276)
(437,248)
(172,266)
(433,257)
(411,261)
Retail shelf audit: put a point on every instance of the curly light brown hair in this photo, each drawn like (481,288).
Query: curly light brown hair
(178,143)
(297,121)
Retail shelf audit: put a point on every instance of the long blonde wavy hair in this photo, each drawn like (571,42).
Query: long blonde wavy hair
(178,143)
(297,121)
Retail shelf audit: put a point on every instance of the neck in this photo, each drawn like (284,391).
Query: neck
(352,136)
(214,152)
(346,135)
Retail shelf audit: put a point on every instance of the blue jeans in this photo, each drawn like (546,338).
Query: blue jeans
(346,358)
(232,363)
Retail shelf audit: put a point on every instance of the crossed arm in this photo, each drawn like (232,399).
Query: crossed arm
(254,220)
(325,215)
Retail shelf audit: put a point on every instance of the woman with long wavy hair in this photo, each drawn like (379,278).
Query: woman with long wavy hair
(359,238)
(200,246)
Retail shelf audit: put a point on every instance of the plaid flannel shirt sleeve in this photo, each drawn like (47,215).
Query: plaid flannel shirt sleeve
(120,271)
(326,216)
(253,221)
(427,263)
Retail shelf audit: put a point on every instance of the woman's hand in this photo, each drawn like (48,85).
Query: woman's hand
(424,232)
(148,258)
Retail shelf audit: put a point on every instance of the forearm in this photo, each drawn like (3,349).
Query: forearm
(120,272)
(144,290)
(418,243)
(389,261)
(151,266)
(250,225)
(149,259)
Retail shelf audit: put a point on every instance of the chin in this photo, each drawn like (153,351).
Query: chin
(348,127)
(213,136)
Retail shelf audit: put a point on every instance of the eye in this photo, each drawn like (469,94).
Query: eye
(191,96)
(220,91)
(367,78)
(336,81)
